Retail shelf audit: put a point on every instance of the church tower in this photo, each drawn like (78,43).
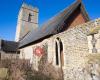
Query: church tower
(27,21)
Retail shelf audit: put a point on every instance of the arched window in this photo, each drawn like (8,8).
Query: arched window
(29,17)
(59,52)
(57,56)
(0,56)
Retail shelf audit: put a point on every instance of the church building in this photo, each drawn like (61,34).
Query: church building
(32,39)
(64,40)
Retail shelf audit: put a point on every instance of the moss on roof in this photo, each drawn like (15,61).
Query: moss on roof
(94,30)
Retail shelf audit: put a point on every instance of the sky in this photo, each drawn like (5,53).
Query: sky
(9,10)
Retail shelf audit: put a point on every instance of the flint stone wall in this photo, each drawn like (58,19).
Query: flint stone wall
(75,49)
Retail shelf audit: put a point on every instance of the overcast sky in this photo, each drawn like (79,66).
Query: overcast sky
(47,8)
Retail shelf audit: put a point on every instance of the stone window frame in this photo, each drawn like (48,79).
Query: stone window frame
(29,17)
(60,61)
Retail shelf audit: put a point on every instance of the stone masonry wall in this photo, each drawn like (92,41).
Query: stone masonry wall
(6,55)
(28,53)
(94,42)
(75,49)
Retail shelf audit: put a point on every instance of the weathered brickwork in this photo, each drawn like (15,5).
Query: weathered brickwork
(75,49)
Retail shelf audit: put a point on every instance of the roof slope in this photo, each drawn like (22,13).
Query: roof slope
(9,46)
(53,25)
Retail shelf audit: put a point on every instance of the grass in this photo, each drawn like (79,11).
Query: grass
(3,73)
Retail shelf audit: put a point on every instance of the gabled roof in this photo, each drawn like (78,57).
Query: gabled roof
(53,25)
(9,46)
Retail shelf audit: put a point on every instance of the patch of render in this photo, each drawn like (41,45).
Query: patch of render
(28,53)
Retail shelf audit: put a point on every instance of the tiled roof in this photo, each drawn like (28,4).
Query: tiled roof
(53,25)
(9,46)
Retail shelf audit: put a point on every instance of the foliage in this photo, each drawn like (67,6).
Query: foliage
(93,58)
(47,68)
(3,73)
(22,69)
(94,30)
(17,69)
(93,65)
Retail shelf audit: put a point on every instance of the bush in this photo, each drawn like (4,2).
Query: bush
(22,70)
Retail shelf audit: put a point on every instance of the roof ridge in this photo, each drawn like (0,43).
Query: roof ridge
(62,11)
(51,26)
